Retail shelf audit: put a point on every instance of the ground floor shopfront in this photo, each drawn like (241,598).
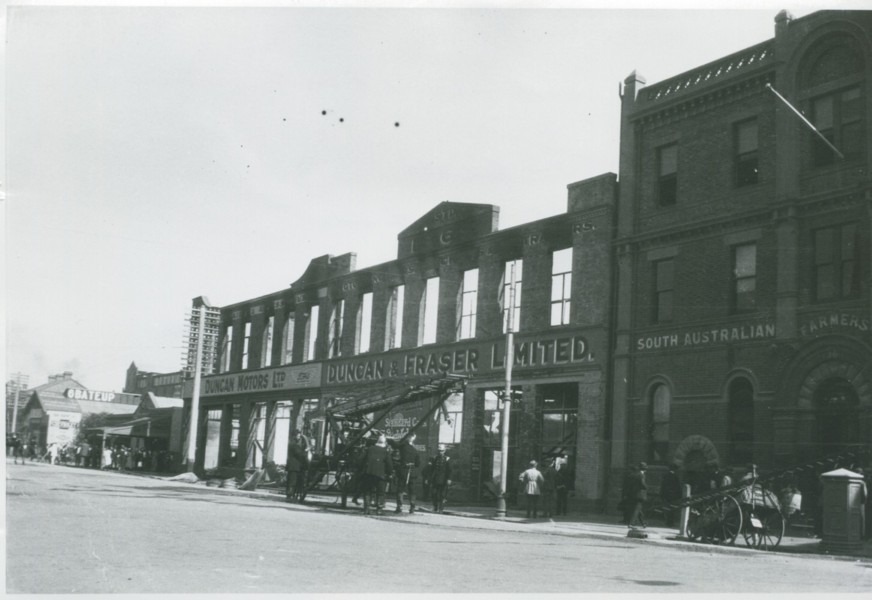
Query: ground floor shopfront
(733,395)
(559,409)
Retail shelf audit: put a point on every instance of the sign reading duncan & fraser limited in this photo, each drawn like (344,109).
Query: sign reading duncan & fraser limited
(268,380)
(530,352)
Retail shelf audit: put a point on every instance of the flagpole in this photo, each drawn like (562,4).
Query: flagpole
(806,121)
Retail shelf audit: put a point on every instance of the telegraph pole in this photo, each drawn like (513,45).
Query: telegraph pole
(507,400)
(19,379)
(195,394)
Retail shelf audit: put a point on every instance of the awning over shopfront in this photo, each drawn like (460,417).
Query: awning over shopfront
(152,426)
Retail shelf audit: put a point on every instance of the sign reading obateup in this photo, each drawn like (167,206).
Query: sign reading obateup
(77,394)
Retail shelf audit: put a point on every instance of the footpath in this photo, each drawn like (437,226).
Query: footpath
(796,541)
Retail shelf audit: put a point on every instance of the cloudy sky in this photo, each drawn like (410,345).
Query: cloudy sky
(157,154)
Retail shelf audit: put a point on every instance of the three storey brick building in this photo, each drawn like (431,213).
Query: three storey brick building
(742,330)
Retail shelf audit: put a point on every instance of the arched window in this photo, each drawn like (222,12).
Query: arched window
(661,399)
(741,419)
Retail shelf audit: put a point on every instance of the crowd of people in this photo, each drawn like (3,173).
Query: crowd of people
(87,454)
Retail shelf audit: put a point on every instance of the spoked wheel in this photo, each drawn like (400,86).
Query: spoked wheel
(764,529)
(726,521)
(718,523)
(694,524)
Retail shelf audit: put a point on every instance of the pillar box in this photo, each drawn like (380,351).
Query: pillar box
(842,505)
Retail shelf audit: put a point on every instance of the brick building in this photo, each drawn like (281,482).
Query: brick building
(742,330)
(440,307)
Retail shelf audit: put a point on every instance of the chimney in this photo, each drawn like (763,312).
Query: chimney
(782,22)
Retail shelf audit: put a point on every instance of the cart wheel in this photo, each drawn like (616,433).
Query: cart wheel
(773,530)
(729,522)
(694,525)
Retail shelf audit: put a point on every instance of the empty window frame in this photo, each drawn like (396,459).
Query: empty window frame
(246,340)
(334,338)
(667,175)
(451,419)
(746,152)
(836,271)
(744,278)
(312,332)
(288,340)
(364,323)
(664,290)
(839,118)
(227,346)
(561,286)
(513,268)
(428,312)
(468,299)
(267,343)
(394,317)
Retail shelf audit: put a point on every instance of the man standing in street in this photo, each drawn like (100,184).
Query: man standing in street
(438,477)
(639,489)
(563,480)
(296,466)
(378,468)
(409,462)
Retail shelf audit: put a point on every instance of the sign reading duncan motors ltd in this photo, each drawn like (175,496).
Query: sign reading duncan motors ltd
(530,352)
(268,380)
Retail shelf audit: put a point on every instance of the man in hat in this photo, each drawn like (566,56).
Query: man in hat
(409,462)
(438,476)
(377,468)
(296,466)
(639,490)
(532,482)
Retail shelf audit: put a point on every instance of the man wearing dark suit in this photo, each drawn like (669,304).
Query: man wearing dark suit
(406,473)
(438,477)
(377,469)
(296,467)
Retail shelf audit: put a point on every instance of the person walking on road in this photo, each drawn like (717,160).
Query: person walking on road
(639,494)
(295,467)
(378,468)
(532,482)
(406,473)
(438,478)
(17,449)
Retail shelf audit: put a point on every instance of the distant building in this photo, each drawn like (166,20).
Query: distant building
(54,410)
(162,384)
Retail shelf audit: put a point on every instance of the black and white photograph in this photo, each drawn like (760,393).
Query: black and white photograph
(431,298)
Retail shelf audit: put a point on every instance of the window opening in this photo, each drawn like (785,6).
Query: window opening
(364,323)
(505,293)
(467,308)
(561,286)
(394,329)
(429,311)
(745,278)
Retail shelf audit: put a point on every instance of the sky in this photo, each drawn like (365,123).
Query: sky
(156,154)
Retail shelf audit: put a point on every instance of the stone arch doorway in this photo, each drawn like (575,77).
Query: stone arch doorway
(824,401)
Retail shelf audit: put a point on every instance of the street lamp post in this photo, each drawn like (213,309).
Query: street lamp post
(195,395)
(507,399)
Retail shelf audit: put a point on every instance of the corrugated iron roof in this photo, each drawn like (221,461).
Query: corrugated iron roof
(113,408)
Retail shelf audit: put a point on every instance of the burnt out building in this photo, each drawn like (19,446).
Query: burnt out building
(442,307)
